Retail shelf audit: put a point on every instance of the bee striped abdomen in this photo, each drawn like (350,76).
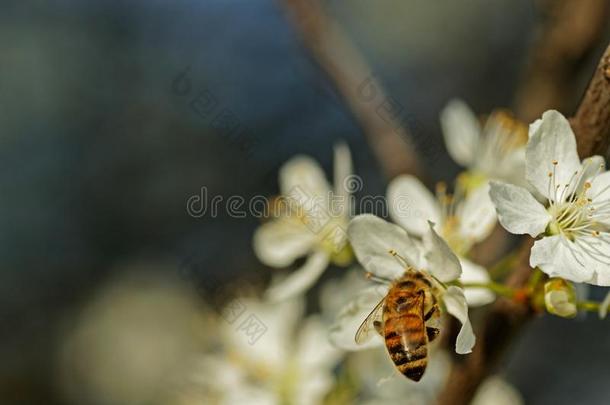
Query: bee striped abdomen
(404,327)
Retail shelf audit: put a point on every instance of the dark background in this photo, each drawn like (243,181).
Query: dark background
(100,148)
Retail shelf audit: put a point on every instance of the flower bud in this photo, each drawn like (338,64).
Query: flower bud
(560,298)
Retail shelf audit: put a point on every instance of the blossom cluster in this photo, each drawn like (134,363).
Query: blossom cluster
(524,180)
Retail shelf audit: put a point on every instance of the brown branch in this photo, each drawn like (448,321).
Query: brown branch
(377,114)
(573,29)
(592,119)
(506,318)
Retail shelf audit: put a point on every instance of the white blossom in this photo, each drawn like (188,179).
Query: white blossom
(462,220)
(292,362)
(494,151)
(573,225)
(373,239)
(312,222)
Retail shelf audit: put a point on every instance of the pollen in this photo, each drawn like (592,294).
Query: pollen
(554,162)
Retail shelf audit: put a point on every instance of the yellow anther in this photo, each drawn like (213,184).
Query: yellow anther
(441,187)
(554,162)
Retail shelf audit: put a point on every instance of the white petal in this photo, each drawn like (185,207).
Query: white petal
(456,305)
(302,175)
(603,307)
(442,262)
(552,140)
(496,391)
(310,390)
(342,169)
(372,238)
(591,166)
(260,332)
(477,215)
(513,168)
(518,211)
(314,351)
(600,194)
(462,132)
(473,273)
(343,331)
(412,205)
(559,257)
(600,187)
(300,280)
(278,243)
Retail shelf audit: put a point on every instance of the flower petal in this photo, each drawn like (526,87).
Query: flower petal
(442,262)
(478,215)
(600,194)
(411,204)
(591,167)
(343,331)
(302,175)
(560,257)
(552,140)
(461,131)
(276,323)
(496,391)
(518,211)
(372,239)
(455,303)
(278,243)
(473,273)
(300,280)
(314,351)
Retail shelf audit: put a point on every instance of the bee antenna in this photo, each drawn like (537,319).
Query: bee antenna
(371,276)
(403,262)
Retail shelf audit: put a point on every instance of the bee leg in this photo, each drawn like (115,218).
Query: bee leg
(430,313)
(432,333)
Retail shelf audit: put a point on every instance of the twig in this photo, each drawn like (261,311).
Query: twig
(574,28)
(506,318)
(592,119)
(348,73)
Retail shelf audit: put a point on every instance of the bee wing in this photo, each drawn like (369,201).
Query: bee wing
(363,334)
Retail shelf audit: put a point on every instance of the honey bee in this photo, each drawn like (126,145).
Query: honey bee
(407,319)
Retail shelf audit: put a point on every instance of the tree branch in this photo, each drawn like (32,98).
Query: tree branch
(353,79)
(592,119)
